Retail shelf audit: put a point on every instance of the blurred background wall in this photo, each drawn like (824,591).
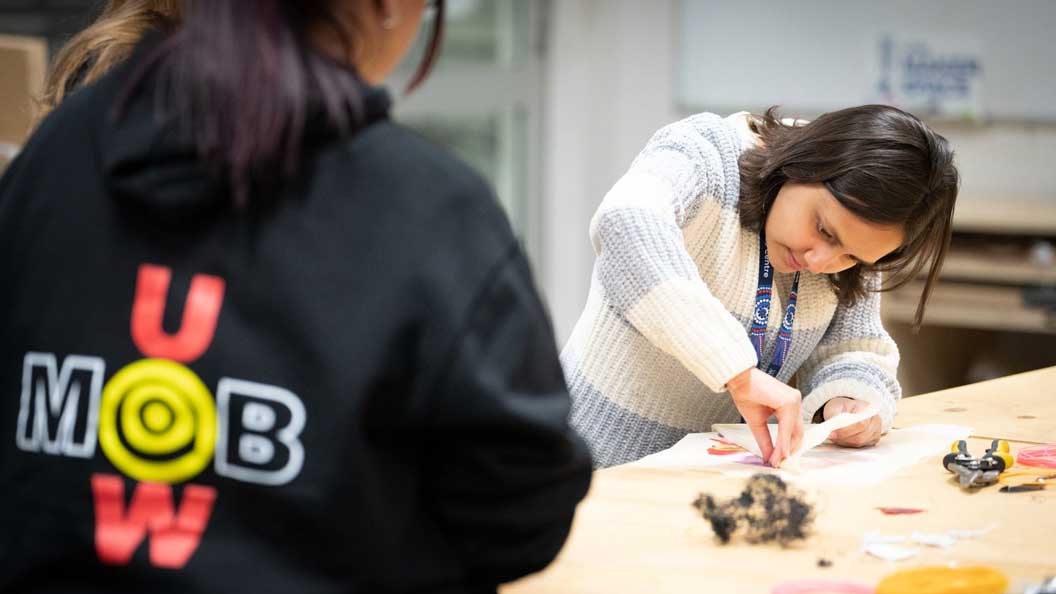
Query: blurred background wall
(552,99)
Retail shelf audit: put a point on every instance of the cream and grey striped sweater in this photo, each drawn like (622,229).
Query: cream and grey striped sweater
(671,298)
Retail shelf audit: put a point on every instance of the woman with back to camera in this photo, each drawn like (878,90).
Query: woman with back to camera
(257,337)
(740,251)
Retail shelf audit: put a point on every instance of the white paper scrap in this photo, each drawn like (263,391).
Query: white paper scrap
(813,434)
(870,538)
(891,552)
(947,539)
(966,534)
(889,546)
(933,539)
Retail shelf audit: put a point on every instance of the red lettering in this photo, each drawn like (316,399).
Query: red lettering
(200,312)
(173,537)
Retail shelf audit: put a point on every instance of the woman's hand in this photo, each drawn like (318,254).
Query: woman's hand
(859,435)
(757,395)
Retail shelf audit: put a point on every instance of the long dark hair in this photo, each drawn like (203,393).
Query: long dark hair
(881,163)
(239,76)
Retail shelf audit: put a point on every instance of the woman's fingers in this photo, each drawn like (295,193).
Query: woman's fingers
(849,434)
(787,420)
(758,395)
(868,435)
(797,435)
(849,430)
(762,437)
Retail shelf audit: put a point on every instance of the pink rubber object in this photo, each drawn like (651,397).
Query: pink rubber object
(819,586)
(1042,456)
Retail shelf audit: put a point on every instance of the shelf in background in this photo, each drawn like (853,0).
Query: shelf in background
(1011,213)
(970,306)
(965,263)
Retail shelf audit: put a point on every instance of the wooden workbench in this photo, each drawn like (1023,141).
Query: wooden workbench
(637,532)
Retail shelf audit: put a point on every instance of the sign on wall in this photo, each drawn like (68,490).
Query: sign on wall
(939,76)
(953,59)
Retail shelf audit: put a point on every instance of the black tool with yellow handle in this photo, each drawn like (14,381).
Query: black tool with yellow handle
(978,472)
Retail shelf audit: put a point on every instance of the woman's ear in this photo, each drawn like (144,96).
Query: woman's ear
(389,13)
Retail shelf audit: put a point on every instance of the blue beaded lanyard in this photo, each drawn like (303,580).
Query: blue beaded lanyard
(761,315)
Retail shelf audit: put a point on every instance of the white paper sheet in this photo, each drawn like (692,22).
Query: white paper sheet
(813,435)
(826,464)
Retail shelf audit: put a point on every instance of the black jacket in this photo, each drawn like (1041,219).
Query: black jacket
(380,405)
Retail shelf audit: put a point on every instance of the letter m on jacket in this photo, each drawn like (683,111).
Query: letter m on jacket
(173,536)
(59,407)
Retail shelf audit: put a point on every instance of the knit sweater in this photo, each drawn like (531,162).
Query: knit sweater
(671,299)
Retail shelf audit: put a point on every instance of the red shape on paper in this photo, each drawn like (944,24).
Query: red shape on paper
(724,448)
(899,511)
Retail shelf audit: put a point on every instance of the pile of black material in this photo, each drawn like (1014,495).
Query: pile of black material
(767,511)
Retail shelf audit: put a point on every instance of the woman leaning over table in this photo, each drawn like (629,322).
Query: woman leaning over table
(739,251)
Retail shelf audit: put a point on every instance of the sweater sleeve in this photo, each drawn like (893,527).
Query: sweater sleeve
(855,358)
(687,173)
(504,469)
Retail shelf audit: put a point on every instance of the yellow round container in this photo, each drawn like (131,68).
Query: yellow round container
(944,580)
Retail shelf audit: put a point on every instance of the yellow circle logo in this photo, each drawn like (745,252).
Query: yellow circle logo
(157,421)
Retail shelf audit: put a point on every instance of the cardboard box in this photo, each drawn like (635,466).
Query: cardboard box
(23,66)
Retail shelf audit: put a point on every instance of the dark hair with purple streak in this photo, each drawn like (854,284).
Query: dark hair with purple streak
(239,75)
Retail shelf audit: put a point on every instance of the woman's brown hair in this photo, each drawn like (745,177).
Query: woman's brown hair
(105,43)
(881,163)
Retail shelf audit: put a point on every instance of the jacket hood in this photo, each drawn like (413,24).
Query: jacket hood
(151,161)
